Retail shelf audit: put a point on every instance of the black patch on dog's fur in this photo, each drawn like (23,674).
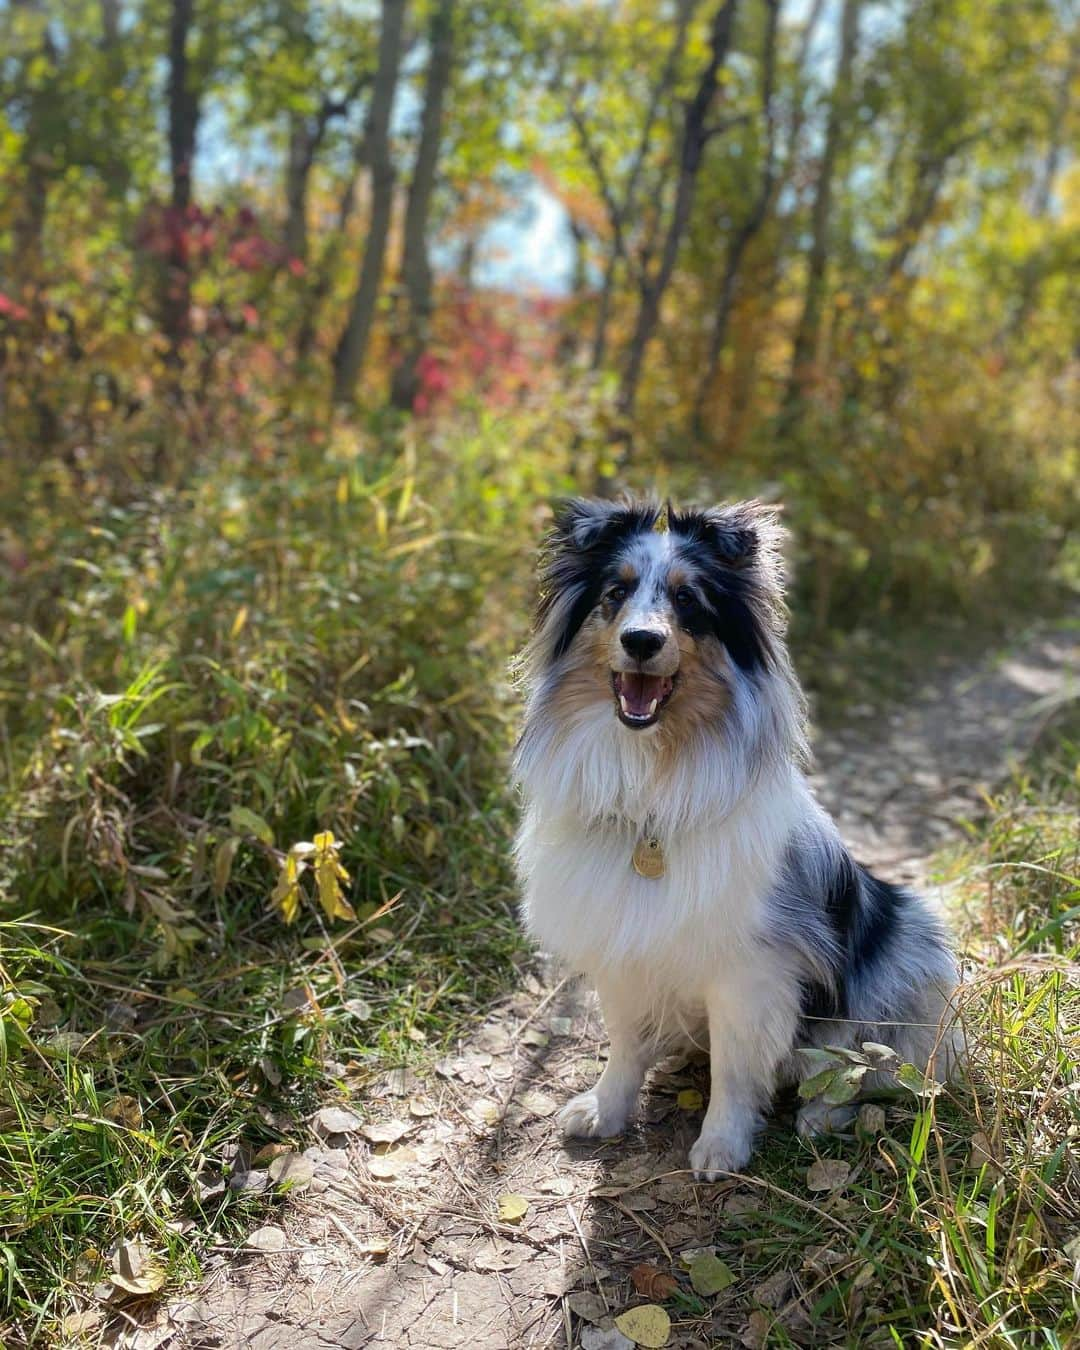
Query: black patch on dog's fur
(579,554)
(876,920)
(862,911)
(723,545)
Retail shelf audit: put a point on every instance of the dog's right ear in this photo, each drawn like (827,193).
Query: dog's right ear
(584,535)
(582,522)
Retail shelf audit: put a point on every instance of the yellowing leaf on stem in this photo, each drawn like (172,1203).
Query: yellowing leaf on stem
(286,894)
(245,821)
(223,862)
(329,874)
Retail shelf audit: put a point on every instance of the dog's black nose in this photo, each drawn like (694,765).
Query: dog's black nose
(642,643)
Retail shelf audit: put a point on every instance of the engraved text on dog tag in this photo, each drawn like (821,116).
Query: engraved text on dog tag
(648,858)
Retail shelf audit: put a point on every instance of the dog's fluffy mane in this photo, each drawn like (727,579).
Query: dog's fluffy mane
(757,873)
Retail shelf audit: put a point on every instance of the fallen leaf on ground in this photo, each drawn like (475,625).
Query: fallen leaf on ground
(388,1165)
(741,1202)
(689,1255)
(82,1323)
(336,1120)
(64,1043)
(421,1107)
(982,1154)
(708,1274)
(384,1131)
(690,1099)
(648,1325)
(124,1110)
(822,1259)
(135,1271)
(588,1306)
(755,1334)
(500,1256)
(828,1174)
(292,1170)
(486,1111)
(266,1240)
(378,1248)
(773,1292)
(268,1153)
(512,1208)
(209,1184)
(653,1282)
(539,1103)
(604,1338)
(252,1180)
(556,1186)
(870,1122)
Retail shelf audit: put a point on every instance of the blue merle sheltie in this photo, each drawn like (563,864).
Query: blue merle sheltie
(670,847)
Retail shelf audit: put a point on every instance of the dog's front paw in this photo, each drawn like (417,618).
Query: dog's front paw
(590,1116)
(718,1152)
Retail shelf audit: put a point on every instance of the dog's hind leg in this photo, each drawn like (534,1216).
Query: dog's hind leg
(605,1109)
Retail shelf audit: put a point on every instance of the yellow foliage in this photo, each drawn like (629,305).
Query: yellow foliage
(329,874)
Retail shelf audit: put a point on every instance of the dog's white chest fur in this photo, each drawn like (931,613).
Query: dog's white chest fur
(584,902)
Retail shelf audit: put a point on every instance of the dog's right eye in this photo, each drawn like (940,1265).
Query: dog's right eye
(618,594)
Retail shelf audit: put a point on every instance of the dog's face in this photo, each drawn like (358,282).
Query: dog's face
(657,623)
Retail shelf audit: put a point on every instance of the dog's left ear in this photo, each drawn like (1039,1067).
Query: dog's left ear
(742,533)
(583,522)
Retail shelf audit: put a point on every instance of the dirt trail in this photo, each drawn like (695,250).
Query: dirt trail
(453,1274)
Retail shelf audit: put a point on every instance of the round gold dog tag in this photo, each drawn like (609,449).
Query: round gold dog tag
(648,858)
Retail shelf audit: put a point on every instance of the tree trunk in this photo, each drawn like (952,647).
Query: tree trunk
(743,236)
(1031,275)
(696,133)
(306,135)
(349,356)
(619,213)
(416,275)
(31,197)
(805,345)
(301,156)
(183,130)
(316,291)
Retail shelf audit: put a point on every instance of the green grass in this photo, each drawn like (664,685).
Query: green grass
(315,638)
(195,686)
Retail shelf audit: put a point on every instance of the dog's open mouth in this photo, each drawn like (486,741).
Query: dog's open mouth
(639,697)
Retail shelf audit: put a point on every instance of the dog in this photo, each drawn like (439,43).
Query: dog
(670,848)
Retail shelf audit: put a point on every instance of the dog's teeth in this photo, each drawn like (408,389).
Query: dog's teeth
(623,705)
(652,707)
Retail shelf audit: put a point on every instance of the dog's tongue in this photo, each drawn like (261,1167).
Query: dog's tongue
(639,691)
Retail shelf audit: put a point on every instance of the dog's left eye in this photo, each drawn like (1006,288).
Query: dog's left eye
(685,598)
(617,594)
